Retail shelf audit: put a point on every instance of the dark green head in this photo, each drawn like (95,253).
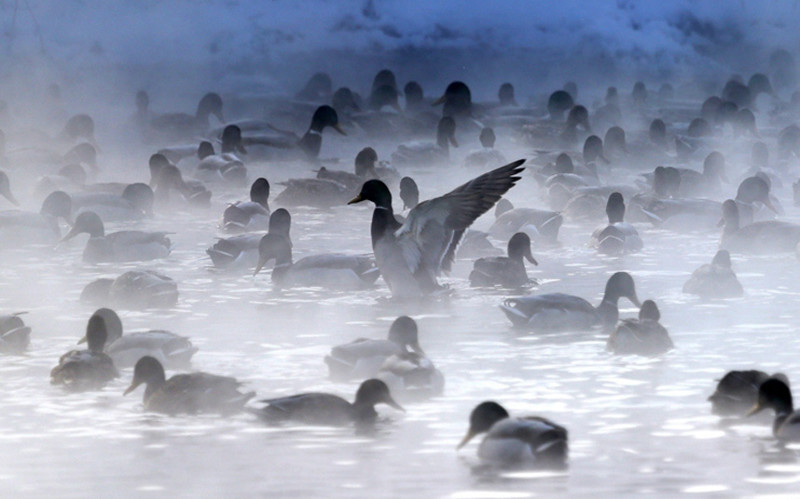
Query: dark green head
(149,371)
(649,311)
(559,103)
(96,334)
(87,222)
(211,103)
(773,394)
(375,191)
(365,162)
(374,391)
(403,332)
(519,247)
(621,285)
(482,418)
(488,138)
(615,208)
(259,191)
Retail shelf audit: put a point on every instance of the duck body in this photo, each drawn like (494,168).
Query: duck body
(737,392)
(715,280)
(190,393)
(530,441)
(508,271)
(135,289)
(767,237)
(327,409)
(642,336)
(555,312)
(15,336)
(89,369)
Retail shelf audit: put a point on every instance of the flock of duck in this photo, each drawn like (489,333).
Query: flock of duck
(679,183)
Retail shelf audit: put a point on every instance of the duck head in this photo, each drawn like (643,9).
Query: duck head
(403,332)
(559,103)
(773,394)
(564,164)
(374,391)
(615,140)
(204,150)
(649,311)
(148,371)
(578,116)
(344,100)
(111,323)
(714,166)
(375,191)
(506,95)
(639,93)
(409,192)
(88,222)
(58,204)
(621,285)
(141,196)
(5,189)
(457,100)
(232,140)
(658,132)
(96,334)
(79,126)
(259,191)
(482,418)
(755,189)
(326,116)
(280,223)
(414,95)
(593,149)
(318,87)
(273,246)
(666,181)
(445,132)
(384,95)
(385,77)
(615,208)
(365,162)
(211,103)
(519,247)
(722,259)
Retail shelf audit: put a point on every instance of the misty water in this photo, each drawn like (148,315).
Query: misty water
(637,425)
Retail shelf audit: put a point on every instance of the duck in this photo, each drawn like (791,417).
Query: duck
(618,237)
(511,442)
(364,170)
(190,393)
(775,394)
(182,125)
(15,336)
(456,101)
(249,216)
(715,280)
(642,336)
(310,143)
(555,312)
(411,255)
(122,246)
(416,154)
(330,270)
(411,376)
(166,177)
(5,189)
(89,369)
(226,167)
(767,237)
(135,203)
(22,227)
(543,224)
(487,156)
(737,391)
(507,271)
(241,251)
(136,290)
(168,348)
(330,410)
(362,358)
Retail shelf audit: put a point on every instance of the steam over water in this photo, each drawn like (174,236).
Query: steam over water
(637,425)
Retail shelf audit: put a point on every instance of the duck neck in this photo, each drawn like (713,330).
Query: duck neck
(154,384)
(383,222)
(364,412)
(311,142)
(283,263)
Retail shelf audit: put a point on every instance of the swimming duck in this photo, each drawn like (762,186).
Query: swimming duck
(487,156)
(249,216)
(190,393)
(331,270)
(775,394)
(543,224)
(411,376)
(771,236)
(135,203)
(737,392)
(327,409)
(561,312)
(23,227)
(642,336)
(241,251)
(363,357)
(532,441)
(89,369)
(182,125)
(714,280)
(122,246)
(309,144)
(428,153)
(135,289)
(617,237)
(15,336)
(507,271)
(411,256)
(169,349)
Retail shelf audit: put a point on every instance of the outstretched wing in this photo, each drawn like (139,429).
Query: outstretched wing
(431,233)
